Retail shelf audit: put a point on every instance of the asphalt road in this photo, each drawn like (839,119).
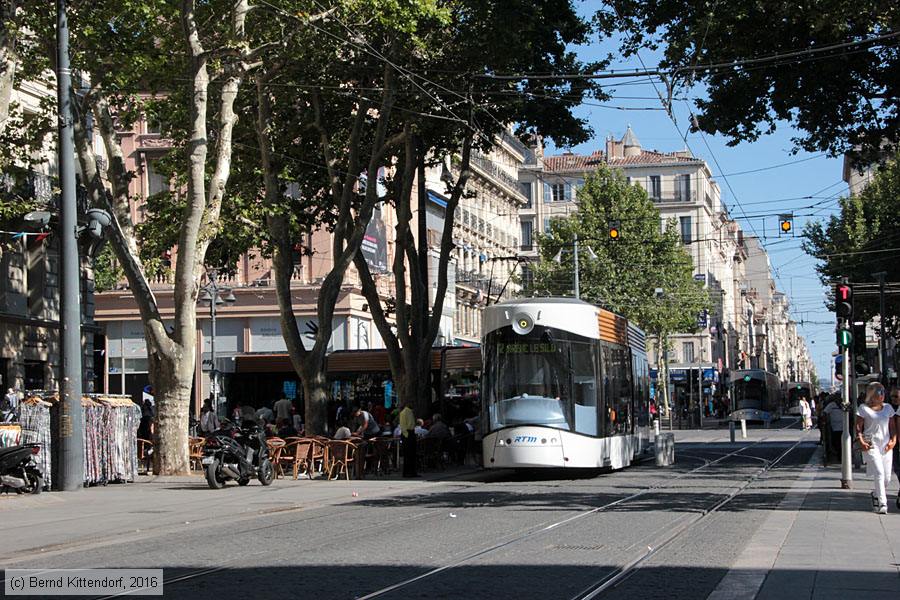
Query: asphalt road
(644,531)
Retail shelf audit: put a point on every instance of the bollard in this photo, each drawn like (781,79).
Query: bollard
(656,427)
(744,428)
(665,449)
(731,431)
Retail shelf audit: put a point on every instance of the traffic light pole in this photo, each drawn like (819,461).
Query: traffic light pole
(577,282)
(846,463)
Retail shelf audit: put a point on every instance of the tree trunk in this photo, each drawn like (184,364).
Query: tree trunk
(172,393)
(8,57)
(315,395)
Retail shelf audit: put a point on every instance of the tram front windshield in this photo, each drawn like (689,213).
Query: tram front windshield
(528,378)
(750,394)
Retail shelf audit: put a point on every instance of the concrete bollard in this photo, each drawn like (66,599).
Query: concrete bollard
(744,428)
(665,449)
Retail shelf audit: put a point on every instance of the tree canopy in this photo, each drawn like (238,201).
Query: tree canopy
(828,67)
(861,240)
(623,274)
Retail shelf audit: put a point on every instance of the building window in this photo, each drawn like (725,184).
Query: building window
(655,187)
(687,351)
(557,192)
(686,229)
(527,278)
(527,233)
(36,273)
(526,190)
(546,225)
(156,182)
(683,188)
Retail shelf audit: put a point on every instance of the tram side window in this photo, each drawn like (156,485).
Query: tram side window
(584,363)
(617,390)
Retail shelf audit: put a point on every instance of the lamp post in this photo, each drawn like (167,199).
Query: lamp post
(214,294)
(558,259)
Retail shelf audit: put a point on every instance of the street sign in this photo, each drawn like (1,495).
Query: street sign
(700,277)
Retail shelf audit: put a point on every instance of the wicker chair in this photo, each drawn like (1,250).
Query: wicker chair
(145,454)
(341,455)
(276,445)
(296,455)
(195,449)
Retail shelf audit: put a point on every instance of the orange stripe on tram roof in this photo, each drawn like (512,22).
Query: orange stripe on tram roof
(613,328)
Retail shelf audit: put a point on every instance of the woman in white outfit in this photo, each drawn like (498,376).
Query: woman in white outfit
(805,414)
(877,436)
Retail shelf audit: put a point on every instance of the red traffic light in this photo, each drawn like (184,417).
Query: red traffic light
(843,301)
(844,293)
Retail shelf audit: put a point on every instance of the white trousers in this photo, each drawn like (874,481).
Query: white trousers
(879,466)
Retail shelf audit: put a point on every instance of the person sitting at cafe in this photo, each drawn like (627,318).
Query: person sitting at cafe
(439,429)
(343,432)
(420,428)
(367,427)
(285,428)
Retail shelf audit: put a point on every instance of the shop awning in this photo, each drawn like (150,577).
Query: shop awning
(357,361)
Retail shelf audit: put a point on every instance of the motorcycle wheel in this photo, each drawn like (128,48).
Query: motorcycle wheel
(266,473)
(213,477)
(35,481)
(244,481)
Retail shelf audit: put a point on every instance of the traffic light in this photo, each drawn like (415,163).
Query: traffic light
(785,224)
(843,308)
(615,231)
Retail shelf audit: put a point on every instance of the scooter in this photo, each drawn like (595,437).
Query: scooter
(239,454)
(18,471)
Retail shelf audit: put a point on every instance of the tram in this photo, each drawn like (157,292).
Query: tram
(793,392)
(757,395)
(564,384)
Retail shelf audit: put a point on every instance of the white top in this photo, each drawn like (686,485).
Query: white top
(876,425)
(804,408)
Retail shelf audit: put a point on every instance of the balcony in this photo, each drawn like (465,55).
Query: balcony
(677,195)
(487,166)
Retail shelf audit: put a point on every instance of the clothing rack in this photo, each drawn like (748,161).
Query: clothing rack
(10,435)
(110,423)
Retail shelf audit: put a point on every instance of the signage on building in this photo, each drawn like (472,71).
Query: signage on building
(374,243)
(700,277)
(290,389)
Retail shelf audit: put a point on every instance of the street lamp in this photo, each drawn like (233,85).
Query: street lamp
(214,294)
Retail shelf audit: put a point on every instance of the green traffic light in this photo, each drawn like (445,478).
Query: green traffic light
(747,378)
(844,338)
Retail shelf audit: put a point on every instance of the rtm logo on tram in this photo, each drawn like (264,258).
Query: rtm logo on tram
(525,439)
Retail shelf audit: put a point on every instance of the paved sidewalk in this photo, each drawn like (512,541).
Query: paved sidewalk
(821,543)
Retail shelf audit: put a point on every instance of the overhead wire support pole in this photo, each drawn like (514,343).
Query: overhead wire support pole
(577,281)
(70,475)
(882,339)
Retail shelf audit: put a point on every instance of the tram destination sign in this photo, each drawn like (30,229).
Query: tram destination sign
(527,348)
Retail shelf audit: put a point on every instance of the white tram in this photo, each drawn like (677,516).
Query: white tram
(564,384)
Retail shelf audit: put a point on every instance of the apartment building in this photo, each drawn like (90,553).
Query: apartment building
(30,269)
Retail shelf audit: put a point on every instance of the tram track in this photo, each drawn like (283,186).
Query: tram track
(621,572)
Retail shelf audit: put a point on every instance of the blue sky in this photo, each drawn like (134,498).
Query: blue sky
(774,190)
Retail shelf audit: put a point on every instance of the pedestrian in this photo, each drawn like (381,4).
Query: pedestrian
(805,414)
(877,435)
(209,421)
(283,409)
(834,411)
(408,439)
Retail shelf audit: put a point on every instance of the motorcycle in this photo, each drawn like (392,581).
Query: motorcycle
(18,471)
(238,454)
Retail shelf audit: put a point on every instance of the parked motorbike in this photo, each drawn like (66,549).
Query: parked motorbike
(239,454)
(18,471)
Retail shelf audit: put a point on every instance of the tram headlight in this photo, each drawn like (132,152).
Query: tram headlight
(523,324)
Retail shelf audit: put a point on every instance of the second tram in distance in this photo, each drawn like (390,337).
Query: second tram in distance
(564,384)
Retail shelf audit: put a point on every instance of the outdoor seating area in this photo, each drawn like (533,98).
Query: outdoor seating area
(320,457)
